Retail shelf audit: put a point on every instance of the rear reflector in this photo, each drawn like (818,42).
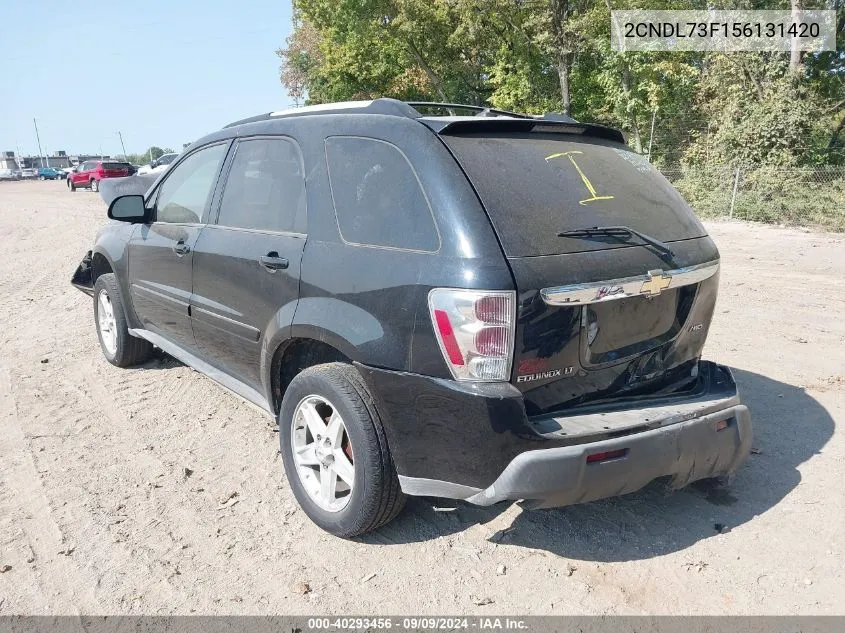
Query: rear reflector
(721,425)
(606,456)
(447,336)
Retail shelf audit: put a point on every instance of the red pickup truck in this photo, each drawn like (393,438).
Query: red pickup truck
(90,173)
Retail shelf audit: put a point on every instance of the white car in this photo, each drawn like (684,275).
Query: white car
(159,165)
(10,174)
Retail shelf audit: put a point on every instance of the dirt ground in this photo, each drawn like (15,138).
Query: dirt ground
(116,486)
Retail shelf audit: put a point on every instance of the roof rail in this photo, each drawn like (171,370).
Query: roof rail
(391,107)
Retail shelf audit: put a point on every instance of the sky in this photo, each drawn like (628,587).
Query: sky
(160,72)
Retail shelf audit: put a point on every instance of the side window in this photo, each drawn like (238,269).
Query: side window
(378,199)
(266,187)
(184,196)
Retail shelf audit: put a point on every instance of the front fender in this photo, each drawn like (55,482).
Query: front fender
(110,249)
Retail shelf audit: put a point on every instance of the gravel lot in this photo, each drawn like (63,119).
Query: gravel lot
(154,491)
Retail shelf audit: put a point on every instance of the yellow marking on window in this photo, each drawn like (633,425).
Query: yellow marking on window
(595,195)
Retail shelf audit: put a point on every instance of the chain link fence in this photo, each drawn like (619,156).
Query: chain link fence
(812,196)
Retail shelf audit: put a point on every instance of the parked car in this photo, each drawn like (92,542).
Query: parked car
(482,308)
(50,173)
(28,173)
(158,165)
(90,173)
(10,174)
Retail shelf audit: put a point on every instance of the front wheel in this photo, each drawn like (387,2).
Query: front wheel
(95,185)
(42,178)
(335,452)
(70,185)
(119,347)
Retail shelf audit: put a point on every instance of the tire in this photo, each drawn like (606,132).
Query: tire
(42,178)
(123,350)
(375,497)
(70,185)
(95,185)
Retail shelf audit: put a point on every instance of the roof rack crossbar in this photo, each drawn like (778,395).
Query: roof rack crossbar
(481,110)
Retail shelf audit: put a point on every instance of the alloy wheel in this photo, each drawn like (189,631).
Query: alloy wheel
(322,452)
(106,322)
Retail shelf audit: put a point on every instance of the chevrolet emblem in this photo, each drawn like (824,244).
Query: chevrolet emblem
(657,283)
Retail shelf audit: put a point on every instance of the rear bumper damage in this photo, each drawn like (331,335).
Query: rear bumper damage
(712,445)
(478,445)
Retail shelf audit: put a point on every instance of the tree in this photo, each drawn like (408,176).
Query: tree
(538,56)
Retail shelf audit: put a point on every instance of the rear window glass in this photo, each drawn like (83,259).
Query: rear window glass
(535,186)
(115,165)
(377,197)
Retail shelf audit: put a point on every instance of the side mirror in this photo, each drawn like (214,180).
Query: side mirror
(129,209)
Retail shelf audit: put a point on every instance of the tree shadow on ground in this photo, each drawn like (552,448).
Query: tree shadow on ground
(790,427)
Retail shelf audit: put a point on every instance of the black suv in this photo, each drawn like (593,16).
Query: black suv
(489,307)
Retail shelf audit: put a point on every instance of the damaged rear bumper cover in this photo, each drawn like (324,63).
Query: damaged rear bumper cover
(699,440)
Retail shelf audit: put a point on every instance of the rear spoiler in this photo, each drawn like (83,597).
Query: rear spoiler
(505,125)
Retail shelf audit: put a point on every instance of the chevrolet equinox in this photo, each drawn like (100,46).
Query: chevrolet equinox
(484,306)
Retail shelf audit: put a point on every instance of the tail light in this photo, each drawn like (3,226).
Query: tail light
(475,330)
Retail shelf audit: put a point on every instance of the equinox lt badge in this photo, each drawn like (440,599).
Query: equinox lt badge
(566,371)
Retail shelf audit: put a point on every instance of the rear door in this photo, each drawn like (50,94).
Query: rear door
(600,316)
(247,263)
(161,253)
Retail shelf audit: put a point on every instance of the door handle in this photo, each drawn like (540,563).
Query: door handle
(181,249)
(272,262)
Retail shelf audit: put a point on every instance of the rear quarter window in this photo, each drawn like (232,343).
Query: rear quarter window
(378,198)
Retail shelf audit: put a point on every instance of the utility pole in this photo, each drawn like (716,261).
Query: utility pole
(121,144)
(38,138)
(651,136)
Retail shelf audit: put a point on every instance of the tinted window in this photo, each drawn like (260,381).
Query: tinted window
(535,186)
(266,187)
(378,199)
(185,194)
(115,165)
(166,159)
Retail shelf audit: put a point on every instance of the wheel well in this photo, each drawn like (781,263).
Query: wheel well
(99,266)
(295,356)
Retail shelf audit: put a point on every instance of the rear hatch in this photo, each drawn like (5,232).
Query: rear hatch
(606,315)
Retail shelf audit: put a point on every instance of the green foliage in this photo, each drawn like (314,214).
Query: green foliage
(748,109)
(759,112)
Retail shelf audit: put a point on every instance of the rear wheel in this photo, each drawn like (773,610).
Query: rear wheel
(335,452)
(95,185)
(119,347)
(42,178)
